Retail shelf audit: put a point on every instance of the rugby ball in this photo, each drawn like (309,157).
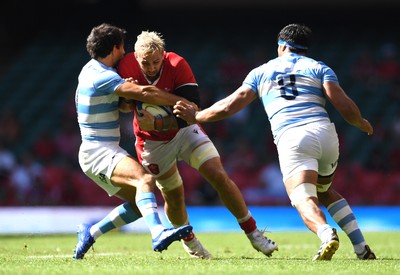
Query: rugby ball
(155,110)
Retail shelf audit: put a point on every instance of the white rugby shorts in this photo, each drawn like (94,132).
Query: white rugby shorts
(98,160)
(159,156)
(314,146)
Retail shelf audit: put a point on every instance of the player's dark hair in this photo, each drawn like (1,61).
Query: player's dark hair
(103,38)
(296,34)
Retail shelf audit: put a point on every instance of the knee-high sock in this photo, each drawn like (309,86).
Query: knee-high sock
(344,217)
(118,217)
(247,223)
(147,205)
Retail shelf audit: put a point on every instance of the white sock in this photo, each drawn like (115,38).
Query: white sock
(324,232)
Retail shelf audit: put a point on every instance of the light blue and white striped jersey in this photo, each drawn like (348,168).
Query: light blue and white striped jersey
(96,103)
(290,88)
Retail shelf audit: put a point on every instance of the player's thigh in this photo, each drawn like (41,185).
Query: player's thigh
(98,161)
(195,146)
(330,152)
(129,172)
(298,151)
(158,157)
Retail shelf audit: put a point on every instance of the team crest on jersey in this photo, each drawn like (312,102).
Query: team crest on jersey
(153,168)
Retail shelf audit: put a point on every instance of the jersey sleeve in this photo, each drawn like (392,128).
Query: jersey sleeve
(107,82)
(327,73)
(252,80)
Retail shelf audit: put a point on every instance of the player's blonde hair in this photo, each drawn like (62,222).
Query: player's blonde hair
(148,43)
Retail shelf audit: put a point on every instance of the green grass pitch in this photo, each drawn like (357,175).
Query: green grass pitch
(129,253)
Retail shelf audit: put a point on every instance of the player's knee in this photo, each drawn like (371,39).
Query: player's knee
(302,192)
(145,183)
(168,184)
(148,179)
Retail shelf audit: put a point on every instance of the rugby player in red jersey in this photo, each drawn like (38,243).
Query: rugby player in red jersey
(172,139)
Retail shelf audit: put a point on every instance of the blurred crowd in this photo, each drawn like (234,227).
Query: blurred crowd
(48,172)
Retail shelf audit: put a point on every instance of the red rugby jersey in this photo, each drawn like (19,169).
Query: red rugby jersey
(175,73)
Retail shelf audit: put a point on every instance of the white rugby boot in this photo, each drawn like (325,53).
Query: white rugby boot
(261,243)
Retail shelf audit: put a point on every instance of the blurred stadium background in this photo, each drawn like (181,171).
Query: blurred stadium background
(43,46)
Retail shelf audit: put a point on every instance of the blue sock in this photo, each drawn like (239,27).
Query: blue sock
(344,217)
(147,205)
(118,217)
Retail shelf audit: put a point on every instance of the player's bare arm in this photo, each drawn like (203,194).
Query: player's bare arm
(218,111)
(146,93)
(346,107)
